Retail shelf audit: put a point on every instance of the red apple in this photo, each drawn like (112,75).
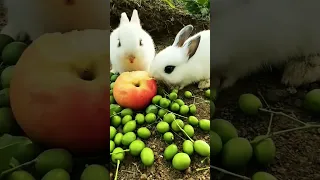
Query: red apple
(60,90)
(134,90)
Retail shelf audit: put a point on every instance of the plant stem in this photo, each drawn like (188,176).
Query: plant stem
(116,175)
(17,167)
(170,111)
(183,131)
(307,126)
(229,173)
(282,114)
(270,124)
(201,169)
(126,150)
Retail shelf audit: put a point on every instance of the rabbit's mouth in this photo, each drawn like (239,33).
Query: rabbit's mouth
(131,59)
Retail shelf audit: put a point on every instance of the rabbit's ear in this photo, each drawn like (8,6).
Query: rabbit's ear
(191,46)
(135,17)
(124,18)
(182,35)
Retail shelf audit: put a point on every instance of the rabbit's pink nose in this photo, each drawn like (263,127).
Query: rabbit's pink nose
(131,59)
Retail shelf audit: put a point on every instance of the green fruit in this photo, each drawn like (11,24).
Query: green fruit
(174,107)
(162,112)
(173,96)
(112,146)
(117,154)
(168,137)
(144,133)
(113,132)
(214,95)
(152,109)
(193,109)
(170,152)
(187,147)
(187,94)
(312,101)
(129,126)
(184,110)
(95,172)
(236,153)
(57,174)
(53,159)
(204,124)
(114,78)
(128,138)
(175,125)
(169,118)
(147,156)
(263,176)
(115,109)
(156,99)
(4,41)
(6,76)
(215,143)
(201,147)
(116,121)
(164,102)
(181,161)
(224,129)
(126,119)
(189,130)
(179,101)
(112,100)
(202,2)
(4,97)
(163,127)
(26,152)
(118,139)
(126,111)
(20,175)
(150,118)
(136,147)
(12,52)
(7,121)
(112,85)
(264,151)
(139,118)
(250,104)
(161,91)
(193,120)
(207,93)
(175,91)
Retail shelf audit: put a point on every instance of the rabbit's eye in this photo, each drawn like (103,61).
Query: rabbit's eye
(140,42)
(169,69)
(119,44)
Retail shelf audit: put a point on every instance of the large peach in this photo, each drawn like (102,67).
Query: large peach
(60,90)
(134,90)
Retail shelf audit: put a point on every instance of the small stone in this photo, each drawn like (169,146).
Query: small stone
(143,177)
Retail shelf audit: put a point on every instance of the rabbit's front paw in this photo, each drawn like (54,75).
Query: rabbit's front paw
(204,84)
(228,82)
(297,73)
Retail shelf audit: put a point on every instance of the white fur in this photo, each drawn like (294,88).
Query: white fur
(248,34)
(187,71)
(129,34)
(36,17)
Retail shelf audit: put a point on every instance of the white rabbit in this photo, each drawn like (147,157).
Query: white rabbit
(34,18)
(131,47)
(186,61)
(250,34)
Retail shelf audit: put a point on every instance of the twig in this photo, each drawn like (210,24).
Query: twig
(171,111)
(116,175)
(263,99)
(282,114)
(270,124)
(137,167)
(229,173)
(126,150)
(17,167)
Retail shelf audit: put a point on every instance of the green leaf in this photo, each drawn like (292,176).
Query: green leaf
(170,3)
(8,146)
(202,2)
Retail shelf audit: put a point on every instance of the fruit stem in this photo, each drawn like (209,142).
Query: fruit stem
(282,114)
(171,111)
(126,150)
(184,131)
(270,124)
(115,114)
(17,167)
(229,173)
(118,164)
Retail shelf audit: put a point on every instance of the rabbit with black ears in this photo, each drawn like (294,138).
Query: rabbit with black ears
(250,34)
(33,18)
(186,61)
(131,47)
